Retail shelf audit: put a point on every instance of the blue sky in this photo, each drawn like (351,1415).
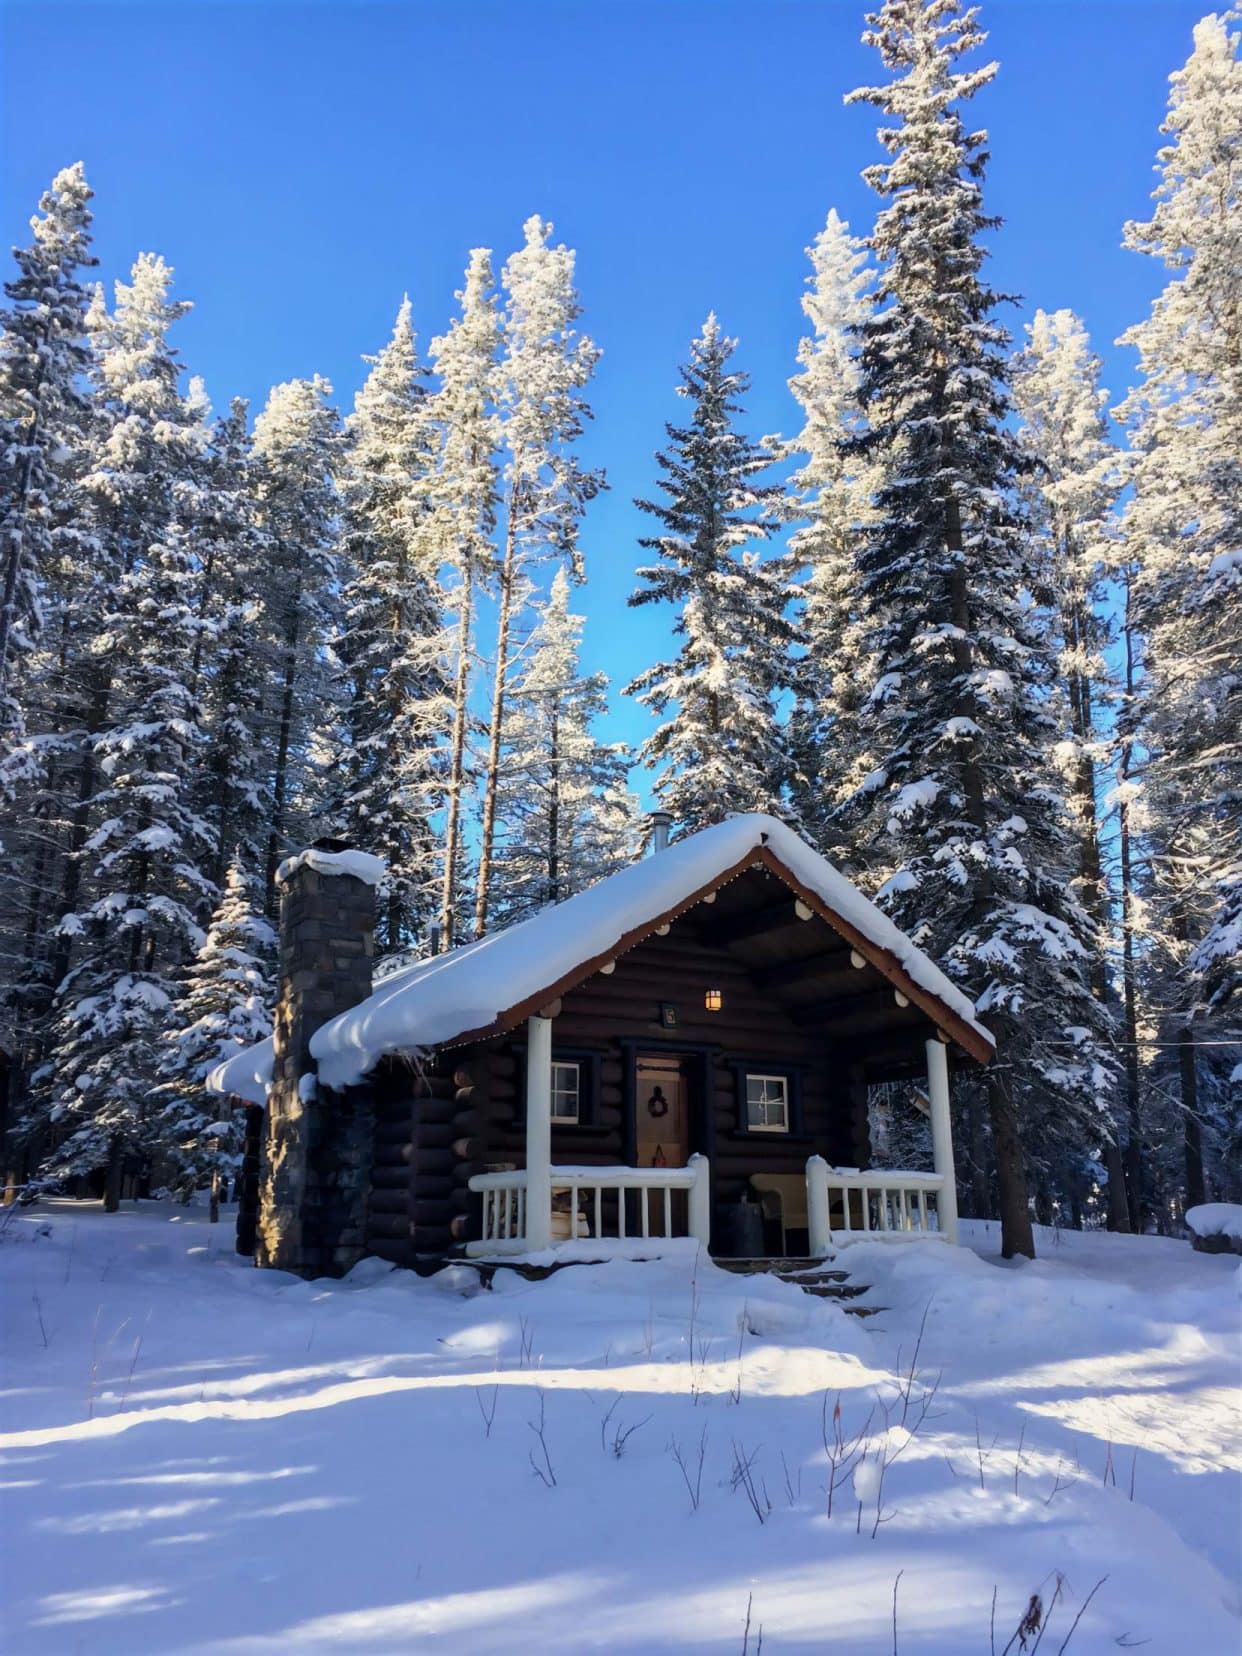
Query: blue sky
(301,166)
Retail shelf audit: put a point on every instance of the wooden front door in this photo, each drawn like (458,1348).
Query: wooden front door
(662,1107)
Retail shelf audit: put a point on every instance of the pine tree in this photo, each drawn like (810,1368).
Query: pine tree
(465,519)
(1183,539)
(718,749)
(546,367)
(136,923)
(828,500)
(233,651)
(393,646)
(297,440)
(1070,492)
(45,360)
(569,818)
(44,356)
(964,804)
(225,1004)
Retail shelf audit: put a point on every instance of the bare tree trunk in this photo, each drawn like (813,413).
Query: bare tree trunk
(112,1179)
(1017,1237)
(491,785)
(1091,871)
(1129,976)
(554,813)
(1192,1128)
(457,764)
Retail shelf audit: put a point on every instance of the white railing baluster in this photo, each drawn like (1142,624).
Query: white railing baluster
(599,1210)
(668,1211)
(922,1210)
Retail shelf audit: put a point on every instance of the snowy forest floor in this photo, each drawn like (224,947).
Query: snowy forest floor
(202,1457)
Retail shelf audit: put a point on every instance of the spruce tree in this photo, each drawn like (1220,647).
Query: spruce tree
(964,803)
(546,366)
(44,355)
(297,441)
(718,748)
(828,501)
(224,1005)
(233,651)
(1069,494)
(389,771)
(134,922)
(569,818)
(466,487)
(1183,540)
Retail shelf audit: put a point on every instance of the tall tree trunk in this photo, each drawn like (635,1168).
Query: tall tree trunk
(1192,1130)
(491,785)
(1129,972)
(457,763)
(114,1173)
(280,783)
(554,812)
(1017,1236)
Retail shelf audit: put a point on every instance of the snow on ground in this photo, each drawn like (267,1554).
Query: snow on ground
(196,1456)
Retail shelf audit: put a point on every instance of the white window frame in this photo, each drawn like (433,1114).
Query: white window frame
(781,1081)
(561,1092)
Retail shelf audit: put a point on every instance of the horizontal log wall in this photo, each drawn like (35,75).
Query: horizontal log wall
(464,1111)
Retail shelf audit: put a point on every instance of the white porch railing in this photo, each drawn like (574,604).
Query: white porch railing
(888,1204)
(505,1204)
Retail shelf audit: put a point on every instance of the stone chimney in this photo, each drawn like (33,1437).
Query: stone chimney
(660,822)
(317,1162)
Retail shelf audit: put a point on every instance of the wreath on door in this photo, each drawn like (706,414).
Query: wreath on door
(657,1104)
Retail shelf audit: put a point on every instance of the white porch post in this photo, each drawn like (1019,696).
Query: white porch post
(942,1137)
(538,1133)
(818,1212)
(700,1199)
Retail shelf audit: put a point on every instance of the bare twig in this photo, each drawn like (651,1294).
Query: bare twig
(488,1411)
(39,1313)
(694,1486)
(1079,1616)
(542,1467)
(743,1478)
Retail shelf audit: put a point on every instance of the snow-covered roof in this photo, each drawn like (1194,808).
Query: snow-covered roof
(247,1074)
(491,984)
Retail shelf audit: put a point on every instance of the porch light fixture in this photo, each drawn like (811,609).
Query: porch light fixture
(713,1000)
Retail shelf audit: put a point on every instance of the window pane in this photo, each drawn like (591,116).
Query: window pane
(565,1092)
(767,1103)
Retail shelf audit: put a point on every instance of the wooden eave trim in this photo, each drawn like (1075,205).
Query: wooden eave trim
(969,1039)
(518,1014)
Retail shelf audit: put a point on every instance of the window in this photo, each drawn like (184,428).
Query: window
(767,1103)
(566,1088)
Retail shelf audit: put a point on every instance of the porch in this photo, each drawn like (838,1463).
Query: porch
(628,1211)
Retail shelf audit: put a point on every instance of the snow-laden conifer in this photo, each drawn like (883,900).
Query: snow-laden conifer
(546,365)
(44,355)
(1069,494)
(388,777)
(297,440)
(569,817)
(1182,534)
(718,748)
(828,499)
(964,803)
(225,1003)
(133,921)
(233,651)
(466,487)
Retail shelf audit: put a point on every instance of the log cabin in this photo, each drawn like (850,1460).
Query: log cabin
(673,1053)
